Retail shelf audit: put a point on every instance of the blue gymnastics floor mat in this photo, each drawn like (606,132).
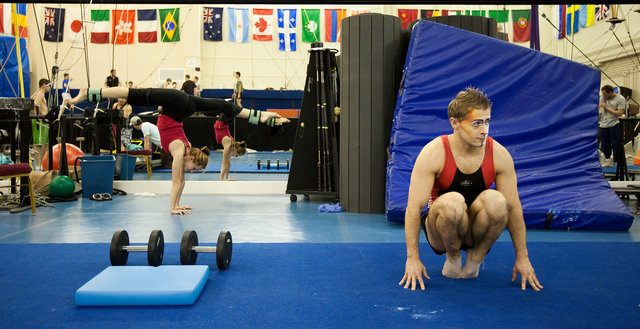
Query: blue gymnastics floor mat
(144,285)
(544,112)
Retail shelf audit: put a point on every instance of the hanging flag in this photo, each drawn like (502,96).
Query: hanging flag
(19,20)
(573,19)
(602,12)
(100,31)
(123,27)
(583,16)
(53,24)
(562,21)
(591,15)
(263,24)
(212,23)
(521,26)
(147,26)
(310,25)
(332,23)
(5,17)
(287,29)
(501,16)
(74,26)
(407,16)
(238,25)
(170,24)
(476,13)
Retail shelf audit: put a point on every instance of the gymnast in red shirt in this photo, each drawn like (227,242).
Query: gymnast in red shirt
(177,105)
(230,147)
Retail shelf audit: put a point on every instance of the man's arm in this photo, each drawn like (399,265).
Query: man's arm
(422,178)
(147,142)
(615,111)
(506,183)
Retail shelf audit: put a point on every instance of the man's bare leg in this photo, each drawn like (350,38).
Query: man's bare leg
(451,224)
(114,92)
(489,222)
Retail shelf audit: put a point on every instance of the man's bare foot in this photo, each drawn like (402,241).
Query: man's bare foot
(471,268)
(179,211)
(185,207)
(82,95)
(281,121)
(452,268)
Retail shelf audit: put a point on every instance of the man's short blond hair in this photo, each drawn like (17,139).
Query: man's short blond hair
(470,98)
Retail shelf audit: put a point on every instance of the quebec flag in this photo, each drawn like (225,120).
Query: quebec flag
(287,29)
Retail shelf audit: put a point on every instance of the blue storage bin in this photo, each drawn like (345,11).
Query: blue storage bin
(97,174)
(125,166)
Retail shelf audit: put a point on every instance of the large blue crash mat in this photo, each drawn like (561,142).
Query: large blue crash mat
(544,112)
(144,285)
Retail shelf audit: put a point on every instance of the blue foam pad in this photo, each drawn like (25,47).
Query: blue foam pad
(144,285)
(630,167)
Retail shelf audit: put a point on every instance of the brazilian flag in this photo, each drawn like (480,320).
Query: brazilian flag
(169,24)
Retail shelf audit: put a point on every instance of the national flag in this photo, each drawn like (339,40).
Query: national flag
(591,15)
(573,19)
(602,12)
(310,25)
(101,28)
(562,24)
(53,24)
(147,26)
(476,13)
(287,29)
(212,23)
(583,16)
(19,20)
(238,25)
(407,16)
(521,26)
(332,24)
(170,24)
(5,17)
(73,26)
(262,24)
(123,27)
(501,16)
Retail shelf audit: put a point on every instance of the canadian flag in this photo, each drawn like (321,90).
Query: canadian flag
(262,24)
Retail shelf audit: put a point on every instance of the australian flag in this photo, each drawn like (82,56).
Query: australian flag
(212,20)
(287,29)
(53,24)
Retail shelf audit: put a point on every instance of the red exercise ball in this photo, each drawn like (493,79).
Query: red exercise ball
(72,153)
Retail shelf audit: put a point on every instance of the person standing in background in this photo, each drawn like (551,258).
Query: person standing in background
(112,80)
(237,91)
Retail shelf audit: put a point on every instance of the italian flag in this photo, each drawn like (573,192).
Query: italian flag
(101,26)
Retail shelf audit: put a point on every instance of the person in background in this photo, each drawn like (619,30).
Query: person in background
(611,108)
(122,104)
(150,132)
(112,80)
(238,90)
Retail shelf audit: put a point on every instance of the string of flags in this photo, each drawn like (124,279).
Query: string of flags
(120,26)
(163,25)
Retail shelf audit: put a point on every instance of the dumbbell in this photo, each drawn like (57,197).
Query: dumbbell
(189,249)
(278,164)
(120,248)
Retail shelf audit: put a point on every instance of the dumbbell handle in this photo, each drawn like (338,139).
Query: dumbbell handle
(135,248)
(204,249)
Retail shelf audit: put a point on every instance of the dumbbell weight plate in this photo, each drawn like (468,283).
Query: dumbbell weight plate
(155,252)
(224,249)
(187,255)
(117,254)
